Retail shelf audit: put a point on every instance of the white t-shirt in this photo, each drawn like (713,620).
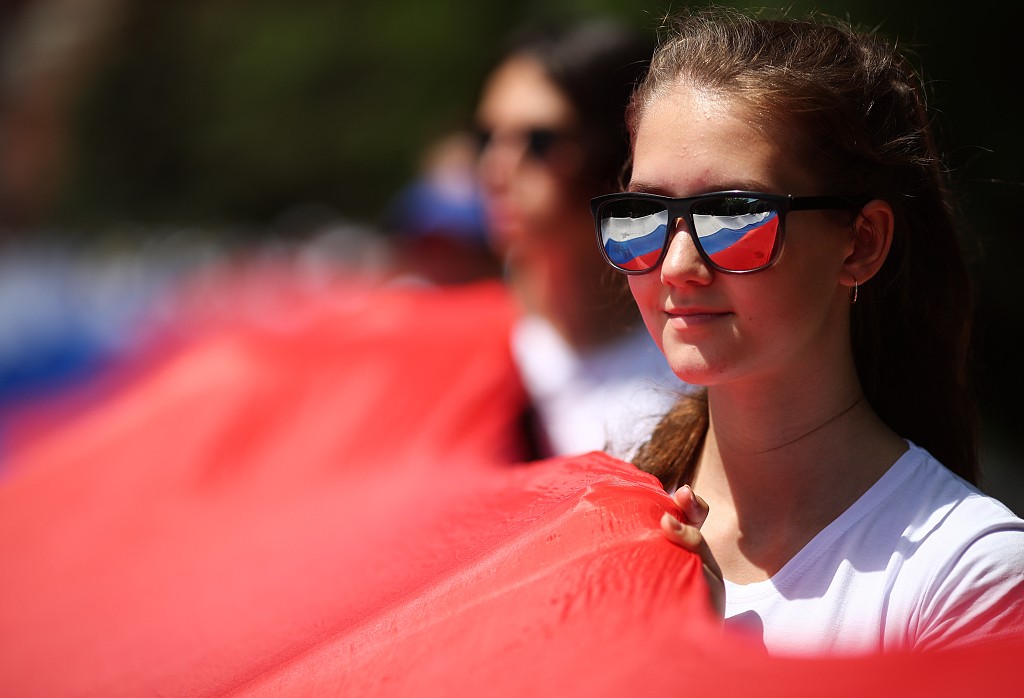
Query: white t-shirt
(610,398)
(922,560)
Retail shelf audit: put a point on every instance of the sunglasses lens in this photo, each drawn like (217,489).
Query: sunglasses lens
(737,233)
(539,142)
(633,233)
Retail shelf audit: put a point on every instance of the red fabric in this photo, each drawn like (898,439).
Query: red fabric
(328,508)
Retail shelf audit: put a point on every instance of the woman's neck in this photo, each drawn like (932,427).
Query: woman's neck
(781,467)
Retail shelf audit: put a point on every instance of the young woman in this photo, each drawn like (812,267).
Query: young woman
(551,120)
(788,240)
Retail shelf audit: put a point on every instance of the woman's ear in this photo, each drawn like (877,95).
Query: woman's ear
(872,238)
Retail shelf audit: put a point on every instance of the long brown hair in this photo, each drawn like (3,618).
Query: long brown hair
(850,106)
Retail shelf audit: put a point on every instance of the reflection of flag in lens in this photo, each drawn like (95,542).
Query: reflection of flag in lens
(634,243)
(738,242)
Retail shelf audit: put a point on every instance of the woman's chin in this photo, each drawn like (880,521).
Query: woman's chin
(695,371)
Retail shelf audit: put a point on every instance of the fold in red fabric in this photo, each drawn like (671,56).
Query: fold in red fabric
(332,506)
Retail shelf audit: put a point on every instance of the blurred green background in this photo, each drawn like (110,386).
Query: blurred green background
(123,117)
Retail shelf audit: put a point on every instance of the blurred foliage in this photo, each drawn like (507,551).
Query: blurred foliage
(228,111)
(221,111)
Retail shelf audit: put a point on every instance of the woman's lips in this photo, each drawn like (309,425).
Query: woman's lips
(691,317)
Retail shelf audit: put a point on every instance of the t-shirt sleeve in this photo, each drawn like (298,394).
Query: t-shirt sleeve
(978,596)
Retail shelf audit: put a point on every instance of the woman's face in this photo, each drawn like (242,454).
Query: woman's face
(787,320)
(530,167)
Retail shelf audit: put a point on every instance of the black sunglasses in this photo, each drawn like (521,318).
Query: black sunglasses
(736,232)
(538,143)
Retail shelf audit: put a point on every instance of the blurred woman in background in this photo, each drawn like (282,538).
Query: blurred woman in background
(551,122)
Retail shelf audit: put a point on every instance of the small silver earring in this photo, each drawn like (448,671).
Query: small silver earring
(853,291)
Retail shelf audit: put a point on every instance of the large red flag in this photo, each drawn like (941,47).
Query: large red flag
(331,506)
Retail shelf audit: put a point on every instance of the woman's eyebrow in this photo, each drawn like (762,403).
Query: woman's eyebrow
(641,187)
(644,188)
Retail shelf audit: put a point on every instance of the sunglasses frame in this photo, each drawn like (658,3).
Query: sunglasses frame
(677,208)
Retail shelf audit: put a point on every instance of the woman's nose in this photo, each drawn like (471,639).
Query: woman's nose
(497,162)
(683,262)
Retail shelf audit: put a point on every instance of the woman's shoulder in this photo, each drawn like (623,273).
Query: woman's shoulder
(944,559)
(926,518)
(955,503)
(966,551)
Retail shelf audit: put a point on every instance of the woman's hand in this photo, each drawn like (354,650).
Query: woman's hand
(687,534)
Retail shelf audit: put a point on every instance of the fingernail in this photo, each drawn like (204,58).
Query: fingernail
(673,522)
(691,495)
